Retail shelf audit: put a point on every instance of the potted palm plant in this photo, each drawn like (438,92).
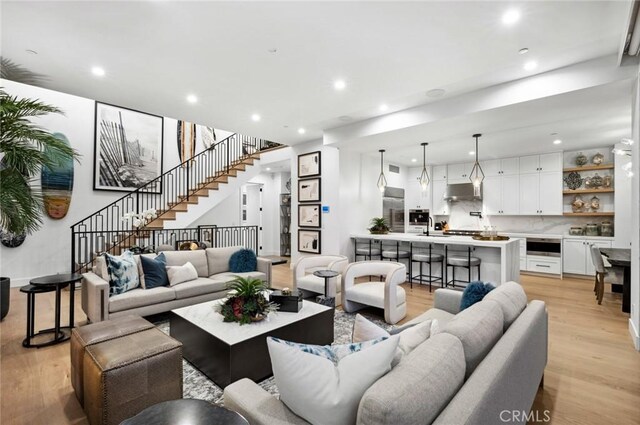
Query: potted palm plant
(22,145)
(379,226)
(247,303)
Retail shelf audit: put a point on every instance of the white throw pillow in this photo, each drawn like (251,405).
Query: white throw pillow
(180,274)
(322,392)
(410,338)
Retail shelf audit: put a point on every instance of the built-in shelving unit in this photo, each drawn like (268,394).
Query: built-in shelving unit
(590,214)
(590,168)
(579,191)
(285,224)
(605,195)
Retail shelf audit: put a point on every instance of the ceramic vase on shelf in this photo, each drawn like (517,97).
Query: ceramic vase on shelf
(596,181)
(577,204)
(594,204)
(597,159)
(606,228)
(581,159)
(607,181)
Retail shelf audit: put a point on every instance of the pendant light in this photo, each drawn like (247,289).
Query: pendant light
(477,175)
(424,177)
(382,180)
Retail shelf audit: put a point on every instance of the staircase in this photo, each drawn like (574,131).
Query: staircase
(170,194)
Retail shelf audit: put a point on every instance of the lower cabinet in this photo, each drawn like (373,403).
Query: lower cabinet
(576,255)
(542,264)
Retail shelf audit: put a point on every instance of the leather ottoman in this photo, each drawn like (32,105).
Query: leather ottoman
(125,375)
(95,333)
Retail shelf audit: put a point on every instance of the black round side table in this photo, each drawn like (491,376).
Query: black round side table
(39,285)
(186,411)
(326,275)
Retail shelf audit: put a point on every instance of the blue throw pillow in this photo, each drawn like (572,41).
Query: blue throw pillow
(155,271)
(243,261)
(474,292)
(123,272)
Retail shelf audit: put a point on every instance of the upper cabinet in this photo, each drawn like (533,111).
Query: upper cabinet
(501,167)
(550,162)
(459,173)
(440,206)
(439,172)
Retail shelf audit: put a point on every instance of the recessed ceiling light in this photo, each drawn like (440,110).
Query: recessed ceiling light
(383,107)
(268,168)
(33,52)
(192,98)
(339,85)
(301,130)
(414,160)
(530,66)
(255,117)
(98,71)
(523,50)
(557,142)
(510,17)
(472,152)
(436,93)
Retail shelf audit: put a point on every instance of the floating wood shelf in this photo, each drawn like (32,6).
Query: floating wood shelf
(578,191)
(590,168)
(590,214)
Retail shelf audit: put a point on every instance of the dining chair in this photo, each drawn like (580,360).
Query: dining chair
(602,274)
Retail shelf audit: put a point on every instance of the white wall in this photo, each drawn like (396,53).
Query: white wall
(48,250)
(634,320)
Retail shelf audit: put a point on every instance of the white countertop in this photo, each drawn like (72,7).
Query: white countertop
(537,235)
(445,240)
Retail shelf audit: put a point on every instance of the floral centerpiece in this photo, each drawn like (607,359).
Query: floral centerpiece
(379,226)
(247,303)
(139,220)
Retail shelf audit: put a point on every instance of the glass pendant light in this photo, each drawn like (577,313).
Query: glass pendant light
(477,175)
(424,177)
(382,180)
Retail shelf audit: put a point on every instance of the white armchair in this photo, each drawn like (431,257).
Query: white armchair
(303,277)
(386,295)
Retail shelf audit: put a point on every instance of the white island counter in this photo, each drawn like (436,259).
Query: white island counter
(500,260)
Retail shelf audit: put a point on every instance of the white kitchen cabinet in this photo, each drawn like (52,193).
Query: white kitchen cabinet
(415,197)
(459,173)
(439,172)
(491,167)
(501,167)
(440,206)
(540,264)
(576,255)
(536,163)
(499,195)
(540,193)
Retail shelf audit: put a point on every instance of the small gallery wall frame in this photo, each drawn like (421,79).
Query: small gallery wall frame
(310,215)
(310,190)
(309,241)
(309,164)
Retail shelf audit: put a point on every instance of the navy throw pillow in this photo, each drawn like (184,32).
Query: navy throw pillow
(243,261)
(474,292)
(155,271)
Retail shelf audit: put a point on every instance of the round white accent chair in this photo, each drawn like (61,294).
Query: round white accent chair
(386,295)
(303,277)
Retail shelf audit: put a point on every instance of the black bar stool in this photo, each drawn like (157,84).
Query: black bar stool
(424,254)
(368,249)
(460,258)
(31,291)
(391,251)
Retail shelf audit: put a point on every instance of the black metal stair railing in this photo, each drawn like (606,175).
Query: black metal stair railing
(107,231)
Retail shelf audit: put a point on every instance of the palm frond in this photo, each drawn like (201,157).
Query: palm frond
(20,206)
(10,70)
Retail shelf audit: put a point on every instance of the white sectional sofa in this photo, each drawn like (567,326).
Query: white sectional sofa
(212,265)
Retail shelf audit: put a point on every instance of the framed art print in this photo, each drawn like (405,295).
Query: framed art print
(309,215)
(309,164)
(309,241)
(128,149)
(309,190)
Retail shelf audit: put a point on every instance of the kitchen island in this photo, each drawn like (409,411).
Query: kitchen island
(500,259)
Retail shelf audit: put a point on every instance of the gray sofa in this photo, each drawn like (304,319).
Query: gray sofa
(212,265)
(487,360)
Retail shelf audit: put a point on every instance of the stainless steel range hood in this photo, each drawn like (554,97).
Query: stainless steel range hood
(461,192)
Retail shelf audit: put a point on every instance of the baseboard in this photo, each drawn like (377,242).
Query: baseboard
(635,337)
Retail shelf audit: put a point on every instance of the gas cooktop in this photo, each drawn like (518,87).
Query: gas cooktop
(454,232)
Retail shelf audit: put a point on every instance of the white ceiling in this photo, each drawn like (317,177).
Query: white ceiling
(157,52)
(593,117)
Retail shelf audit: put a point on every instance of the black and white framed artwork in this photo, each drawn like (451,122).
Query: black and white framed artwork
(309,164)
(309,241)
(309,190)
(128,149)
(309,215)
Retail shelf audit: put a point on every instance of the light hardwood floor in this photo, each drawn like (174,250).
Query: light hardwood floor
(592,376)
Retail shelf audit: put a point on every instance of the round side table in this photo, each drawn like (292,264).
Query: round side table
(326,275)
(186,411)
(55,282)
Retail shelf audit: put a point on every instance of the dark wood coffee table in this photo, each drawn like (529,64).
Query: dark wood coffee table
(186,411)
(226,352)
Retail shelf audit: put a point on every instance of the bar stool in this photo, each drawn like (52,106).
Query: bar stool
(31,291)
(424,254)
(392,252)
(460,258)
(366,248)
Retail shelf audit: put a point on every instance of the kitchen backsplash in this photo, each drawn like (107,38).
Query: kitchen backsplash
(459,218)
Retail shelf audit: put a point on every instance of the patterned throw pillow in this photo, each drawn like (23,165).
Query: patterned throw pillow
(334,353)
(123,273)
